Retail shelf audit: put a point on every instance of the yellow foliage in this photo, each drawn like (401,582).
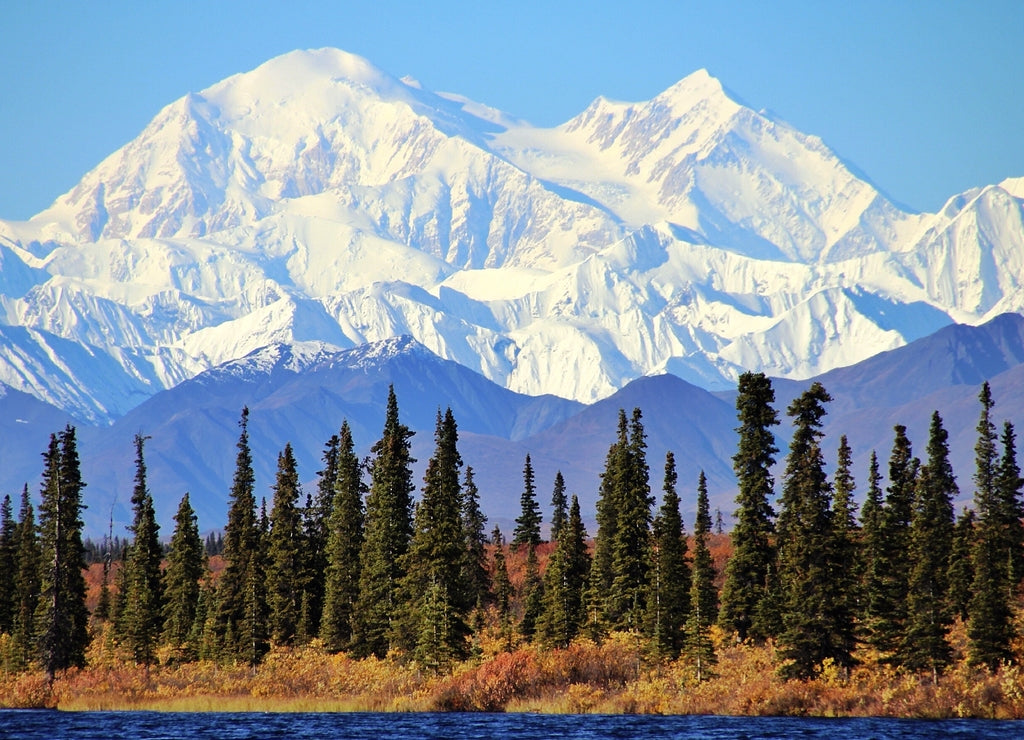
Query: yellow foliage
(585,677)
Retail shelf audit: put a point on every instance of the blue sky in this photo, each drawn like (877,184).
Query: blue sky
(926,97)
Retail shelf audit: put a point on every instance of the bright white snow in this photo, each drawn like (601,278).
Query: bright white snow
(319,199)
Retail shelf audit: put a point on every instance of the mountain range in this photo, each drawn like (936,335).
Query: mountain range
(319,213)
(300,394)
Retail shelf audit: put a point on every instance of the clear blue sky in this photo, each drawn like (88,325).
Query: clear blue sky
(924,96)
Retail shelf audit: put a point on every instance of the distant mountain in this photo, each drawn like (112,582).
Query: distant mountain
(26,424)
(298,394)
(319,199)
(301,393)
(943,372)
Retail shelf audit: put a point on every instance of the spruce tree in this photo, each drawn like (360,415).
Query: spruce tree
(989,625)
(344,542)
(1010,506)
(806,547)
(559,506)
(141,621)
(527,535)
(565,580)
(240,586)
(473,523)
(613,480)
(286,569)
(961,569)
(845,564)
(387,533)
(211,643)
(631,549)
(531,596)
(437,594)
(872,561)
(26,581)
(8,565)
(186,566)
(502,588)
(256,629)
(747,602)
(703,596)
(316,517)
(668,598)
(889,612)
(61,617)
(527,531)
(931,540)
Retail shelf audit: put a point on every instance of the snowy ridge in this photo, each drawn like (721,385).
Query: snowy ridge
(320,199)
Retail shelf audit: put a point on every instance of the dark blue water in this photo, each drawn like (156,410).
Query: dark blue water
(47,725)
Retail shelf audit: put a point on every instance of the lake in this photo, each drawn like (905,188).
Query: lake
(47,725)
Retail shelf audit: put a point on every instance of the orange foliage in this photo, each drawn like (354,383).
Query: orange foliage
(586,677)
(515,561)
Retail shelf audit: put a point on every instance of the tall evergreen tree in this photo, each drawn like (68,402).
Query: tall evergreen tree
(316,516)
(872,561)
(889,618)
(141,621)
(26,581)
(436,588)
(563,614)
(473,523)
(613,480)
(931,539)
(527,531)
(559,506)
(631,549)
(257,613)
(961,568)
(806,547)
(668,599)
(527,535)
(502,588)
(286,563)
(747,601)
(989,624)
(531,596)
(8,565)
(344,542)
(1008,484)
(239,591)
(985,459)
(387,534)
(703,596)
(186,566)
(845,563)
(61,616)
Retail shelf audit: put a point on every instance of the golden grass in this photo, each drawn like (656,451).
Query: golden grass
(587,677)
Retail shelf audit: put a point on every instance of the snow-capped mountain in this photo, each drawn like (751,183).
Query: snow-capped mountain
(317,198)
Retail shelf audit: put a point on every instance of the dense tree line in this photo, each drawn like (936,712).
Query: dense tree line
(367,567)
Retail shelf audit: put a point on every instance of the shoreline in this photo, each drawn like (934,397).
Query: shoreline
(584,679)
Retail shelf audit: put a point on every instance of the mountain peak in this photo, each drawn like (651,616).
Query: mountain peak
(289,75)
(318,197)
(697,87)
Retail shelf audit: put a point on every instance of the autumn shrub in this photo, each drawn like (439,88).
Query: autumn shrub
(26,690)
(490,686)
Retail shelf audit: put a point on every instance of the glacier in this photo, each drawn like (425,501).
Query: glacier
(320,199)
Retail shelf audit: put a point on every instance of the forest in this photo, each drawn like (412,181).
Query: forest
(361,594)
